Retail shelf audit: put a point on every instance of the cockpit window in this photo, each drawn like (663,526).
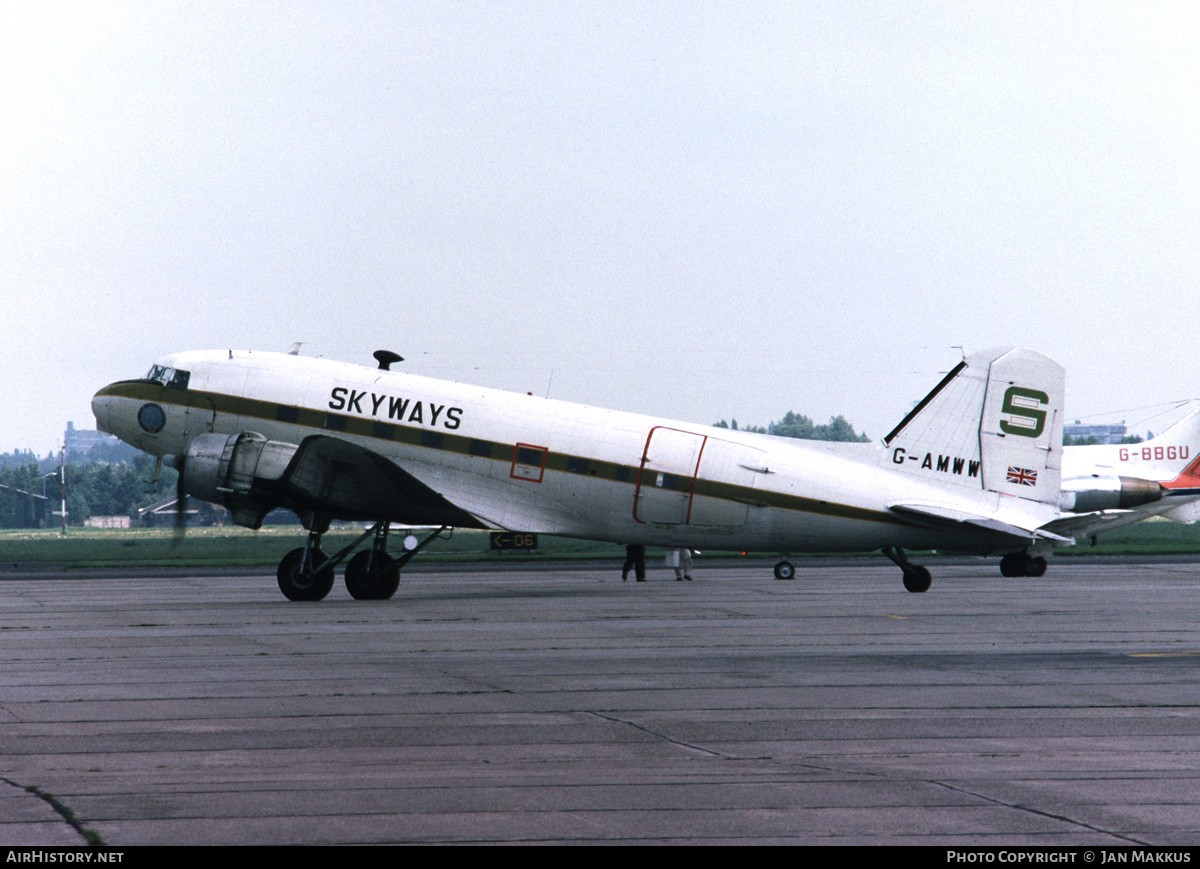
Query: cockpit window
(172,378)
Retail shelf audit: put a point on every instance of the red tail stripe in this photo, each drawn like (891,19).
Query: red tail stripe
(1189,479)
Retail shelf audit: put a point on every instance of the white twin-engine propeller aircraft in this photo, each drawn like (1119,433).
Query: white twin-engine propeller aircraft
(978,466)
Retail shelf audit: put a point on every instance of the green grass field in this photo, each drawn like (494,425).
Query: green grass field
(86,547)
(89,547)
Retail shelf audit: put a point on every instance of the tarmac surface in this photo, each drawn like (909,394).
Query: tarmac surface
(557,704)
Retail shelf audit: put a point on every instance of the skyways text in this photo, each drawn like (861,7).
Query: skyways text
(402,410)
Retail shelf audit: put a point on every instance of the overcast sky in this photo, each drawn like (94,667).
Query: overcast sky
(696,210)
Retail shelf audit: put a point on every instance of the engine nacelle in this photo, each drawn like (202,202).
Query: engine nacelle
(1089,494)
(237,471)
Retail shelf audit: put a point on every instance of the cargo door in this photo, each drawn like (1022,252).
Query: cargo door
(691,479)
(721,493)
(668,473)
(201,415)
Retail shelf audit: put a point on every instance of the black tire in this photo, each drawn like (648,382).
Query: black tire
(1013,564)
(297,585)
(785,570)
(381,586)
(1035,567)
(917,579)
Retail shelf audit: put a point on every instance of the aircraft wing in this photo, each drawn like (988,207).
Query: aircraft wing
(327,474)
(937,516)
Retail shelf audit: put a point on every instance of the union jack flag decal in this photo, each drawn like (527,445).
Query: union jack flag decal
(1022,476)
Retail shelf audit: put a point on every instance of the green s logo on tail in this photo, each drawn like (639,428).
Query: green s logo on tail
(1027,418)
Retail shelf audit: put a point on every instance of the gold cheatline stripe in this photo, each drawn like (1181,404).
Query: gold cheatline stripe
(445,441)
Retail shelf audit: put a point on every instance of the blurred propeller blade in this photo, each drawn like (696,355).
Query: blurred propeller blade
(176,462)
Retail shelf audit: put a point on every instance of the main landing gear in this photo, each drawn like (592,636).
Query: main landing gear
(1022,564)
(307,573)
(916,577)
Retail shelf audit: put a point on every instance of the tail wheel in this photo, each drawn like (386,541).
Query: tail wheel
(785,570)
(296,583)
(917,578)
(372,581)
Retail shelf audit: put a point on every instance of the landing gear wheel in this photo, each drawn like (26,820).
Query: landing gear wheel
(1013,564)
(1020,564)
(785,570)
(298,584)
(917,578)
(363,583)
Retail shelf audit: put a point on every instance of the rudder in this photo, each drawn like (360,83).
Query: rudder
(994,423)
(1021,430)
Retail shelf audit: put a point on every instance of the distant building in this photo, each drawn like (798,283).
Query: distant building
(107,522)
(195,512)
(80,441)
(1104,434)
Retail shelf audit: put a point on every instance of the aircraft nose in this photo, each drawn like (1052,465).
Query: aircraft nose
(101,409)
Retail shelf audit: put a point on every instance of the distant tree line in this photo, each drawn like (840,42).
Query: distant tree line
(797,425)
(23,458)
(110,480)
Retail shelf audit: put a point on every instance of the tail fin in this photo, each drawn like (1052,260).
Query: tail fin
(1172,458)
(1166,467)
(993,423)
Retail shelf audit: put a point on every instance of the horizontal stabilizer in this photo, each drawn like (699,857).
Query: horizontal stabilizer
(1094,522)
(936,516)
(1185,514)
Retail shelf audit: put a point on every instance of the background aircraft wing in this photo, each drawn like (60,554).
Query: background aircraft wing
(1086,524)
(1183,508)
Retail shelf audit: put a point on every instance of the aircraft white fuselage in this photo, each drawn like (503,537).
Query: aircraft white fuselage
(520,462)
(976,467)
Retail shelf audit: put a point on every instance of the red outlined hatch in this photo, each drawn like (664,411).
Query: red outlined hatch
(528,463)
